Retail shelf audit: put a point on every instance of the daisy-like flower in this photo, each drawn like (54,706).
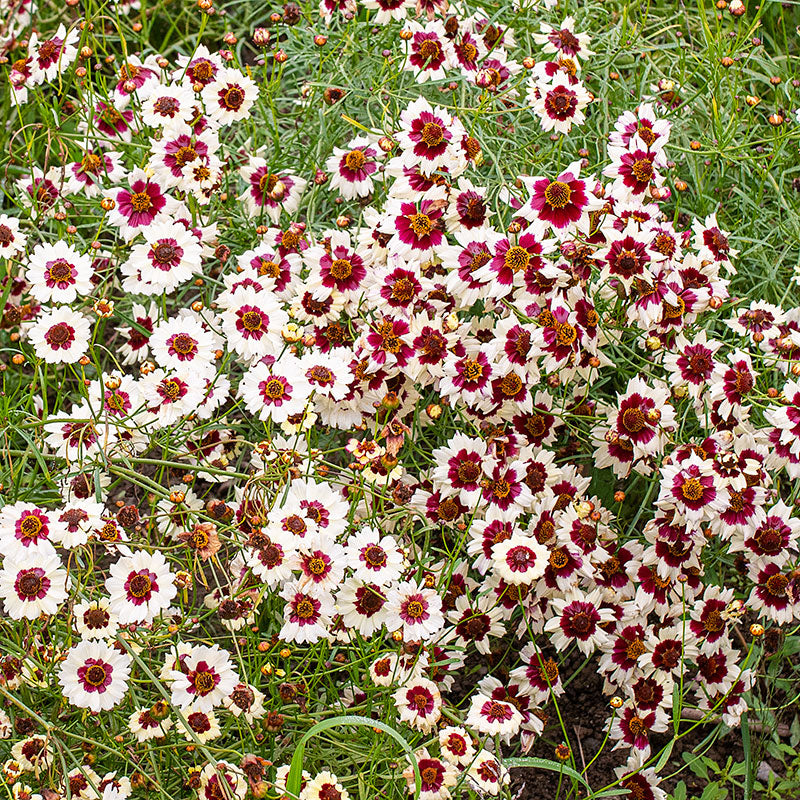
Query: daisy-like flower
(487,774)
(95,620)
(362,606)
(145,726)
(60,335)
(140,586)
(252,324)
(428,136)
(561,204)
(520,559)
(32,583)
(139,205)
(493,717)
(324,786)
(437,776)
(428,51)
(169,257)
(183,343)
(275,392)
(578,619)
(50,57)
(171,395)
(201,726)
(57,272)
(169,106)
(374,558)
(559,103)
(229,96)
(94,675)
(414,610)
(692,489)
(353,168)
(564,40)
(88,175)
(456,745)
(388,10)
(419,704)
(270,192)
(772,596)
(321,562)
(204,679)
(272,563)
(24,526)
(307,614)
(642,125)
(328,374)
(416,227)
(12,240)
(476,622)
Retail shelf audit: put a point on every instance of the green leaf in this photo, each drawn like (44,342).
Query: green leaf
(296,768)
(544,763)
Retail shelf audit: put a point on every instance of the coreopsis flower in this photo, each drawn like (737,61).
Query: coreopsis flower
(12,240)
(437,776)
(170,106)
(640,129)
(692,489)
(578,620)
(94,675)
(632,728)
(362,606)
(456,745)
(95,620)
(252,324)
(171,395)
(205,678)
(559,104)
(140,586)
(428,51)
(388,10)
(199,725)
(93,171)
(476,622)
(519,560)
(374,558)
(712,243)
(563,40)
(139,205)
(307,614)
(429,136)
(493,717)
(634,171)
(183,343)
(324,786)
(275,392)
(112,122)
(773,595)
(229,96)
(270,192)
(60,335)
(50,57)
(32,583)
(353,168)
(419,704)
(487,774)
(145,727)
(415,610)
(321,563)
(561,204)
(27,527)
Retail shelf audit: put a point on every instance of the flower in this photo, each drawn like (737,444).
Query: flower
(229,96)
(419,704)
(140,586)
(57,272)
(493,717)
(94,675)
(60,335)
(205,678)
(414,610)
(32,583)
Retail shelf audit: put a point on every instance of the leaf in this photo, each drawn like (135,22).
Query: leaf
(680,791)
(544,763)
(296,768)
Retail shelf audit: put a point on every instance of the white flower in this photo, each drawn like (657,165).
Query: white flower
(205,678)
(95,675)
(58,272)
(140,586)
(60,336)
(32,583)
(374,558)
(95,620)
(275,392)
(183,343)
(520,559)
(229,97)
